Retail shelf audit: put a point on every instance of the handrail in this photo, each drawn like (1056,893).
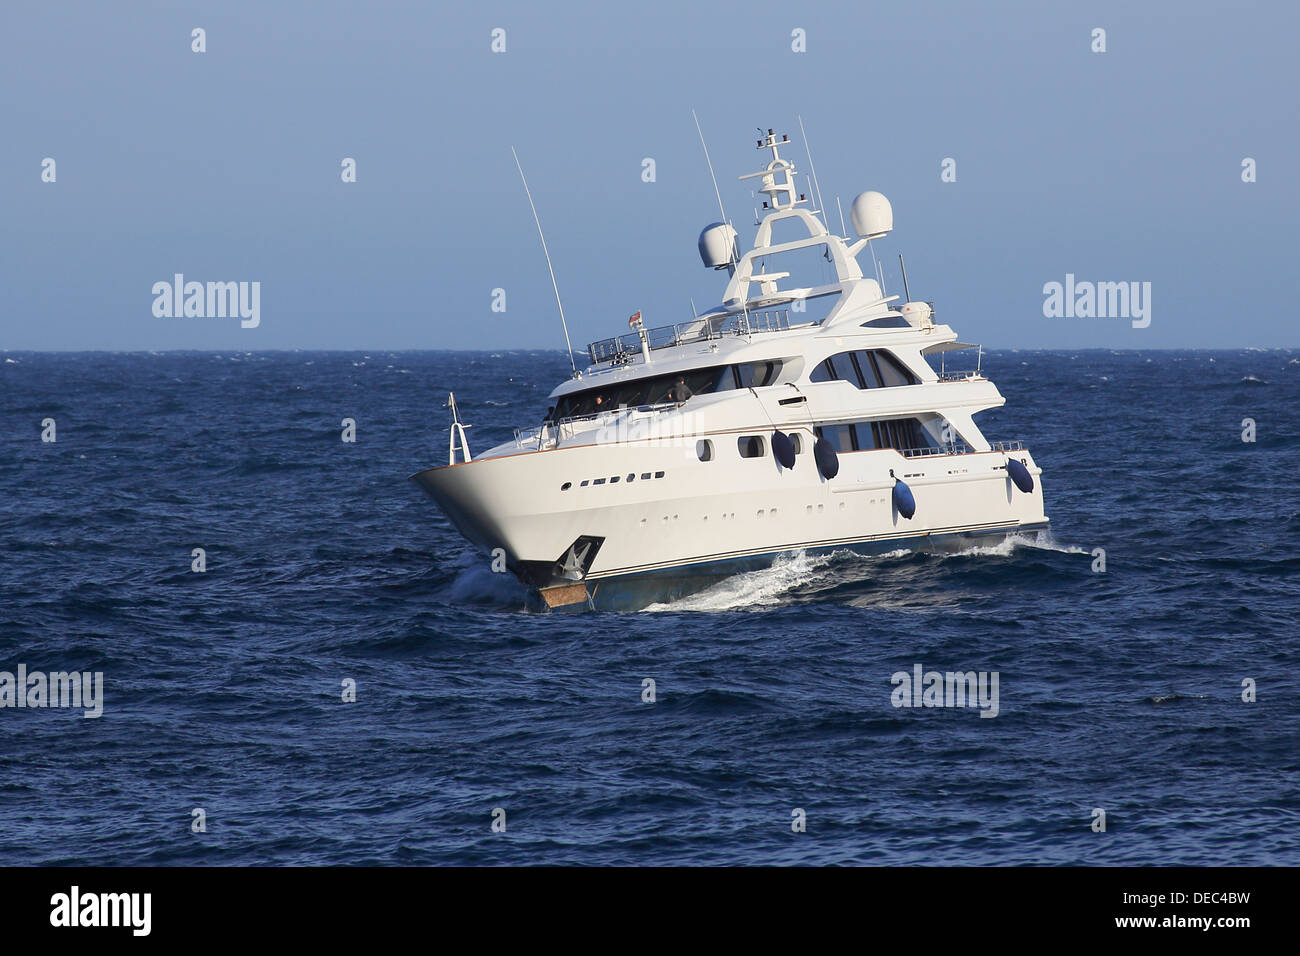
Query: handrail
(621,349)
(960,448)
(552,433)
(559,429)
(956,448)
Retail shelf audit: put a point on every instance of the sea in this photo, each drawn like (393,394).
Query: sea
(301,662)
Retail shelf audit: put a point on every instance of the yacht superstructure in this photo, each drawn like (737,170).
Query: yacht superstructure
(750,431)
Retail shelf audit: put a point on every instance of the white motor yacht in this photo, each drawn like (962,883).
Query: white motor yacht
(785,419)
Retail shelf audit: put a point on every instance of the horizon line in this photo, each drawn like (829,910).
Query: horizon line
(350,350)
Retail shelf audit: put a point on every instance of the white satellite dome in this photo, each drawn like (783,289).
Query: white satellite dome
(918,314)
(718,245)
(871,214)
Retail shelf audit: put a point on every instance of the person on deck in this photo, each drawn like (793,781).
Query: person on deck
(681,392)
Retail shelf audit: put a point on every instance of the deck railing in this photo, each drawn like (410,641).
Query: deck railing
(959,448)
(621,349)
(548,434)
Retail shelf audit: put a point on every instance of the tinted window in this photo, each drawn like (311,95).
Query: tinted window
(903,434)
(823,372)
(758,374)
(840,437)
(644,391)
(866,376)
(864,435)
(867,363)
(865,368)
(892,371)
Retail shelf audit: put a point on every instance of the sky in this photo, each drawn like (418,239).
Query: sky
(227,165)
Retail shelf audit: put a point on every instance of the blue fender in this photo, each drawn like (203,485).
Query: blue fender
(903,499)
(1020,475)
(828,463)
(783,449)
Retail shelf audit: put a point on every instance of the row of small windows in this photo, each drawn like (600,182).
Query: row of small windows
(657,389)
(900,433)
(865,368)
(749,446)
(755,446)
(645,476)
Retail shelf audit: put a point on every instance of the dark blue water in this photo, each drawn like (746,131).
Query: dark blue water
(222,690)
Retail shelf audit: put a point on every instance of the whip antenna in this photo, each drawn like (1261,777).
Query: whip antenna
(813,169)
(558,303)
(717,192)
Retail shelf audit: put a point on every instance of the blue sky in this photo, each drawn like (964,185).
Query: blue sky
(225,165)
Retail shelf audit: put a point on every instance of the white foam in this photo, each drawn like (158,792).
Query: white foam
(752,589)
(766,587)
(1042,541)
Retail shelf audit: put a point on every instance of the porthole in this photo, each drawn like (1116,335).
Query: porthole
(584,484)
(646,476)
(751,446)
(704,449)
(599,481)
(616,479)
(797,441)
(566,486)
(631,477)
(659,474)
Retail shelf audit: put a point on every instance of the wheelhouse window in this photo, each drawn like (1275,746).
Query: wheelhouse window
(658,389)
(891,371)
(651,390)
(865,368)
(824,372)
(758,374)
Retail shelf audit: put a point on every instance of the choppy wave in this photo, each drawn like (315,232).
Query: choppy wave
(1121,687)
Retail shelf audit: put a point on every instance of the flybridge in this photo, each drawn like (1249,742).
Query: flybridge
(745,311)
(620,350)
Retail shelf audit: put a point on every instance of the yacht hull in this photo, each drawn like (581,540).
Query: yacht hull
(680,522)
(632,592)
